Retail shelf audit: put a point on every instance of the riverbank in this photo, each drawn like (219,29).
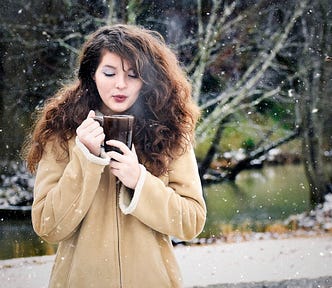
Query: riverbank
(258,263)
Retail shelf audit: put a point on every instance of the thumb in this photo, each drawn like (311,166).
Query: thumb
(91,114)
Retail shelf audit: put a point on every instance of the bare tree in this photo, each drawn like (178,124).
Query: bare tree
(256,46)
(39,47)
(248,90)
(314,76)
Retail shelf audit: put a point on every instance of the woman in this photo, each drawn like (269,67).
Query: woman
(113,214)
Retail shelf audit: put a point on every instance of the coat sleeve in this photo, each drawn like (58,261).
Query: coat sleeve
(177,208)
(63,192)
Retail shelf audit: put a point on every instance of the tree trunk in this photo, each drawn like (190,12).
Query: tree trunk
(311,103)
(245,163)
(206,163)
(1,80)
(121,10)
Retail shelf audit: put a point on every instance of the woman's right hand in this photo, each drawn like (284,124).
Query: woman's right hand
(91,134)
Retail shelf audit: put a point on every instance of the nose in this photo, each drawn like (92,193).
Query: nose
(121,82)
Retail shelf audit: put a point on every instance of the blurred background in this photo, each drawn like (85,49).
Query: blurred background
(261,74)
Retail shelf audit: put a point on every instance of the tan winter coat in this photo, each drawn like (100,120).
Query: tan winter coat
(108,238)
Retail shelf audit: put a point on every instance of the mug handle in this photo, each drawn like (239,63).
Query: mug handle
(99,119)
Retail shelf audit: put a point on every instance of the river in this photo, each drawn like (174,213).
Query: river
(258,197)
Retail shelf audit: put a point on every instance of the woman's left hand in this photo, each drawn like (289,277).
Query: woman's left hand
(124,166)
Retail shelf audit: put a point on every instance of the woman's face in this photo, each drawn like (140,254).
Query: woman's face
(117,83)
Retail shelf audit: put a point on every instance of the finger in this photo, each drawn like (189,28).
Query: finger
(87,122)
(98,132)
(91,114)
(115,164)
(117,157)
(118,144)
(115,172)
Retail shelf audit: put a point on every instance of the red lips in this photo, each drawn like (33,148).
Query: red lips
(119,98)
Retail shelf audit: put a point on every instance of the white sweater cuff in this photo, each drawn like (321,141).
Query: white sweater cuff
(102,160)
(128,205)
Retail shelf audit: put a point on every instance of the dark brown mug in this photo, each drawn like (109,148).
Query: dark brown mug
(117,127)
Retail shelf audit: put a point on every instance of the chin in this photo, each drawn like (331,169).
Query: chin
(118,111)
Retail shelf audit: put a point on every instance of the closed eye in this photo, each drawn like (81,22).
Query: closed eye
(132,74)
(108,74)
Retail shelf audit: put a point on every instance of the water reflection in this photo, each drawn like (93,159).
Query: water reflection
(257,198)
(19,240)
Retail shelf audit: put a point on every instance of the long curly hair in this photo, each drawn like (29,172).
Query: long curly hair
(165,114)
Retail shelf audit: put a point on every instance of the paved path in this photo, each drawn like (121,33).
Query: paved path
(255,261)
(217,265)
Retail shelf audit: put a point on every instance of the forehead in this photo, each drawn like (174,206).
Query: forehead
(112,59)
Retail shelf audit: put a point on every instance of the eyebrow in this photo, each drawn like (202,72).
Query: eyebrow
(110,66)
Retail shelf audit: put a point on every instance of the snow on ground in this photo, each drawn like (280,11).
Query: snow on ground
(203,265)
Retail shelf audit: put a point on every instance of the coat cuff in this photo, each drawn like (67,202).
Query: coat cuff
(102,160)
(127,202)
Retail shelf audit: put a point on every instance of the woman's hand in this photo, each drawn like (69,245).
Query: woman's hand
(124,166)
(91,134)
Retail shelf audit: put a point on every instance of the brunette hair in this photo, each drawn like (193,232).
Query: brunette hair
(165,114)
